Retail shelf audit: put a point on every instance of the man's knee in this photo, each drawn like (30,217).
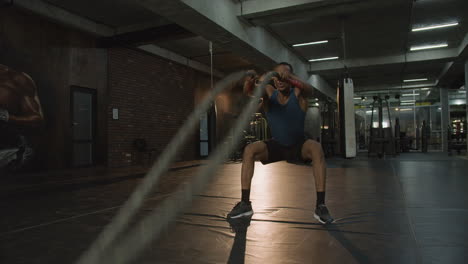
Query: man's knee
(313,150)
(249,152)
(253,151)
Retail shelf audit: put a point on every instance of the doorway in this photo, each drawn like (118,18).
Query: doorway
(83,116)
(207,132)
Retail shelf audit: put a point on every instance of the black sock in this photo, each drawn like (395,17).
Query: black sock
(246,195)
(320,198)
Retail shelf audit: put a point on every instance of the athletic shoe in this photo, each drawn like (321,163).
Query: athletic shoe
(241,209)
(322,214)
(239,225)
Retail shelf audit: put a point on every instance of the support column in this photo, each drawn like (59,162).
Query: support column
(347,120)
(445,117)
(466,97)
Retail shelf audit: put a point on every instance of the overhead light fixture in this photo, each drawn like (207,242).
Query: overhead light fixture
(406,109)
(429,47)
(435,26)
(323,59)
(425,89)
(415,80)
(357,98)
(410,94)
(310,43)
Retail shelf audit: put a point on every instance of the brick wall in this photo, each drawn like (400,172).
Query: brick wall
(154,97)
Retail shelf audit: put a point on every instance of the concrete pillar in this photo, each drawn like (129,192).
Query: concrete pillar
(347,119)
(445,117)
(313,121)
(466,97)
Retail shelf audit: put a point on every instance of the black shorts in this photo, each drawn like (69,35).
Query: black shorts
(278,152)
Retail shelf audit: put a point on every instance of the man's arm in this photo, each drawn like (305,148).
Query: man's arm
(251,81)
(31,113)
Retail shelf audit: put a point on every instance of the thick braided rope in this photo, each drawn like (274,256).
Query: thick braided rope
(131,206)
(152,226)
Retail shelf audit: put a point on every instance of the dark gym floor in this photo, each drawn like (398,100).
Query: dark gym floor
(409,209)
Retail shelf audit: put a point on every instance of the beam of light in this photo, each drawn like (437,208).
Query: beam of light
(96,251)
(153,225)
(310,43)
(429,47)
(435,26)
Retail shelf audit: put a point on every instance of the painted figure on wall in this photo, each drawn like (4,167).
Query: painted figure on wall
(20,114)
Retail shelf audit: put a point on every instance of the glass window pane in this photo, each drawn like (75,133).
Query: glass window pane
(204,127)
(203,149)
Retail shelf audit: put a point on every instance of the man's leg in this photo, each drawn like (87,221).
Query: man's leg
(252,152)
(312,150)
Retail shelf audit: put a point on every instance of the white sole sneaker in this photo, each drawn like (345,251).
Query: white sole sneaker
(320,220)
(249,213)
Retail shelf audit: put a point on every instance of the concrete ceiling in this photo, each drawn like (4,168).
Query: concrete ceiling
(367,37)
(372,38)
(113,13)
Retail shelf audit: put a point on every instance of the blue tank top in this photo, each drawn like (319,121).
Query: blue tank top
(286,121)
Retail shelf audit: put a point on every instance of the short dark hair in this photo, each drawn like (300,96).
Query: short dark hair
(285,64)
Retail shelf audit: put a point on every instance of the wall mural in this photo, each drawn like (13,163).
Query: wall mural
(20,115)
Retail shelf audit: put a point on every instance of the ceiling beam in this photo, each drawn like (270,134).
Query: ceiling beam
(433,55)
(160,21)
(260,8)
(147,36)
(266,12)
(452,73)
(64,17)
(153,49)
(217,21)
(393,87)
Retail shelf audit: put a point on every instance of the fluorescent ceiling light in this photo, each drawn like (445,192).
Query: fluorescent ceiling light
(435,26)
(415,80)
(425,89)
(357,98)
(322,59)
(410,94)
(310,43)
(406,109)
(429,47)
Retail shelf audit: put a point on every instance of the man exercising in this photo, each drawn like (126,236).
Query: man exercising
(285,106)
(20,108)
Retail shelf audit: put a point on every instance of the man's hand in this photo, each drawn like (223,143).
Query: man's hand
(4,115)
(284,75)
(250,80)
